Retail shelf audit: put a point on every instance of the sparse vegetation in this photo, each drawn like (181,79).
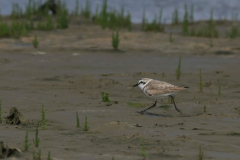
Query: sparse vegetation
(86,127)
(86,12)
(4,30)
(115,40)
(156,24)
(47,25)
(35,42)
(76,11)
(175,17)
(210,31)
(143,150)
(201,84)
(36,141)
(62,16)
(43,117)
(26,144)
(112,20)
(200,154)
(178,70)
(185,22)
(234,32)
(105,97)
(78,123)
(191,14)
(16,11)
(49,155)
(37,156)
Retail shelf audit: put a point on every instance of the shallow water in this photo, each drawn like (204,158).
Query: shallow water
(223,9)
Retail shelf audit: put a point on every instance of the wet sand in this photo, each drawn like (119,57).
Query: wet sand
(70,69)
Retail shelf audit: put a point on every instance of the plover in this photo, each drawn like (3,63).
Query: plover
(158,89)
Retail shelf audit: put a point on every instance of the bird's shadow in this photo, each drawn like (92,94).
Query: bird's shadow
(154,114)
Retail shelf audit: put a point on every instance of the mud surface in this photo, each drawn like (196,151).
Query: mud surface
(70,70)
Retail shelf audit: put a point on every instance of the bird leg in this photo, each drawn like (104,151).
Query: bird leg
(141,112)
(174,103)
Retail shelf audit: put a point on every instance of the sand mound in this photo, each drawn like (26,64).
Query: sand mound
(14,117)
(8,151)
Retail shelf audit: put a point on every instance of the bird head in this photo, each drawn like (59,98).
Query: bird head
(142,82)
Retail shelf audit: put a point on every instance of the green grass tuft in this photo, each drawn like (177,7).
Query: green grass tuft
(105,97)
(143,150)
(234,32)
(37,156)
(78,123)
(156,24)
(35,42)
(49,155)
(76,11)
(16,11)
(191,14)
(36,141)
(43,117)
(86,127)
(62,16)
(26,144)
(112,19)
(86,12)
(185,22)
(175,17)
(178,70)
(209,31)
(5,30)
(115,40)
(200,154)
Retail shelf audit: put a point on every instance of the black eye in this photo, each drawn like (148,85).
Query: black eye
(142,82)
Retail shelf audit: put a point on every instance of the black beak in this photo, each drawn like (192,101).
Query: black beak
(135,85)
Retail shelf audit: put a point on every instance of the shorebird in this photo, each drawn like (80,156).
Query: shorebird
(157,90)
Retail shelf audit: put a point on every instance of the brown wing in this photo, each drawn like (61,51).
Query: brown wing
(155,87)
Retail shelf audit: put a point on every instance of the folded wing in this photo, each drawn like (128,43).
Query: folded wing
(155,88)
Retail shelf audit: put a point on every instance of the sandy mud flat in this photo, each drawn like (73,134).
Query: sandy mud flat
(71,68)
